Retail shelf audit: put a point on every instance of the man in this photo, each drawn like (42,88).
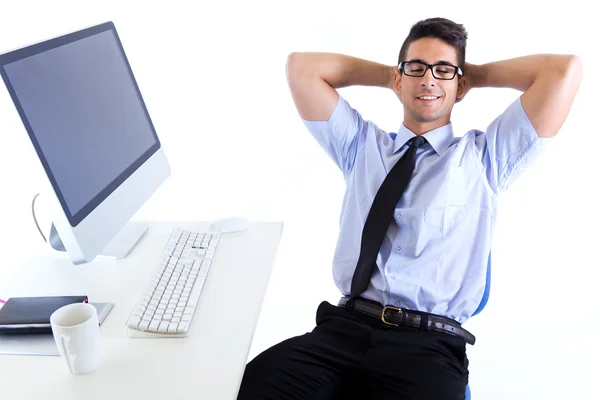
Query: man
(429,265)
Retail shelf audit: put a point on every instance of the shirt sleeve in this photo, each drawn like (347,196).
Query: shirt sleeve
(338,136)
(508,146)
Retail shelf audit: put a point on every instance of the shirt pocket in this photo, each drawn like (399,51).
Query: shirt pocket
(441,220)
(419,228)
(452,207)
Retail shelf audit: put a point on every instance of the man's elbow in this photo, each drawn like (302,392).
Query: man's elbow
(566,66)
(292,60)
(574,69)
(294,63)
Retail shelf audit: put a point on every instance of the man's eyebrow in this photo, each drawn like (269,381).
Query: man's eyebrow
(417,60)
(444,62)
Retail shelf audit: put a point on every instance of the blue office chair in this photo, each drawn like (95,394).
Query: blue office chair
(484,300)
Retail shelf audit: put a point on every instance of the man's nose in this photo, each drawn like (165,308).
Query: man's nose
(428,79)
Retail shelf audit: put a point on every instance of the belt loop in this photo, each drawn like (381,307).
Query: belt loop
(350,303)
(424,321)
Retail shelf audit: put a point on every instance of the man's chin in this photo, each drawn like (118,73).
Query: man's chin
(423,118)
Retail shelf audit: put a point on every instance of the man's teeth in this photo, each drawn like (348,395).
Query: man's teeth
(428,97)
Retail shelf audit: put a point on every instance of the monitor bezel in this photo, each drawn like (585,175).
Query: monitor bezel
(28,51)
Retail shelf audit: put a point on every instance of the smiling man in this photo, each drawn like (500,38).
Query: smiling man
(417,219)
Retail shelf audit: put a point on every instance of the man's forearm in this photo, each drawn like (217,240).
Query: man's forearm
(340,70)
(519,73)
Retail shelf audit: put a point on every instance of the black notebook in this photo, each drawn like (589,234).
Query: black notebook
(32,314)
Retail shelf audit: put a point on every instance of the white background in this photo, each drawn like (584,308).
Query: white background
(213,78)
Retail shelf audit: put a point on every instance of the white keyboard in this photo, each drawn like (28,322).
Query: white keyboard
(169,300)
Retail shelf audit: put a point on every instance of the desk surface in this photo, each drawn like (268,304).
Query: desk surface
(208,364)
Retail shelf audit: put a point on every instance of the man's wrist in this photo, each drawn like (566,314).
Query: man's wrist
(477,75)
(390,71)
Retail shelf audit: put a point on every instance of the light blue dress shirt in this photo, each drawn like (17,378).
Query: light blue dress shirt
(434,257)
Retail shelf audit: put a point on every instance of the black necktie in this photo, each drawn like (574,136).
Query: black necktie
(380,216)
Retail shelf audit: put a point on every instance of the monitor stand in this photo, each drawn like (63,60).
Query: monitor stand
(119,247)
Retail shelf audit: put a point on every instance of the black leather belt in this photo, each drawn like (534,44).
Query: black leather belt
(402,317)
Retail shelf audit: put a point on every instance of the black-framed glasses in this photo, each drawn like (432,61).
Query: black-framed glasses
(441,71)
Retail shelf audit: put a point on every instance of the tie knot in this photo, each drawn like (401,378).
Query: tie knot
(418,141)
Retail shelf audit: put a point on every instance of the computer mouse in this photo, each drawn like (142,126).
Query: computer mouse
(228,224)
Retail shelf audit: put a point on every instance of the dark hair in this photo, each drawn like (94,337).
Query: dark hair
(440,28)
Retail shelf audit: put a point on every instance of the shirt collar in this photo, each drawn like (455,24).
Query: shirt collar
(440,138)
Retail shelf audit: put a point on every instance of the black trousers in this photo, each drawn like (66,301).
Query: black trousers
(353,356)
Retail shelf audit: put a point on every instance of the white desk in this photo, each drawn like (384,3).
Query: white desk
(208,364)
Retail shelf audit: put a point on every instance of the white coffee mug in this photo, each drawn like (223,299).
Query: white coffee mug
(77,336)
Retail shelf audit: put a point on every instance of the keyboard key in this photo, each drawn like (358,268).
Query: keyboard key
(154,325)
(163,326)
(133,321)
(183,326)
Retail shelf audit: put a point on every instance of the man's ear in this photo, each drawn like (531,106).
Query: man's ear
(397,85)
(462,85)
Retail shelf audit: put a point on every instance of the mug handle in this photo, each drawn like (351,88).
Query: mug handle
(64,340)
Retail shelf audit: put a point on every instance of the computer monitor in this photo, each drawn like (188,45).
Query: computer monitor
(81,106)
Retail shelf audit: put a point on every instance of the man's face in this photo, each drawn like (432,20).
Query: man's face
(422,112)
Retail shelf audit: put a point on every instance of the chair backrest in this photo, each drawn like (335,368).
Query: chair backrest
(484,300)
(486,292)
